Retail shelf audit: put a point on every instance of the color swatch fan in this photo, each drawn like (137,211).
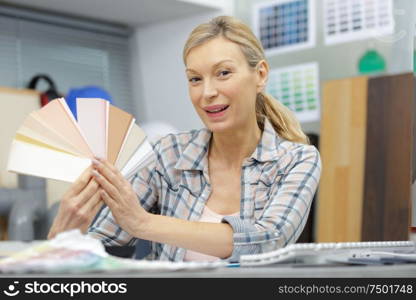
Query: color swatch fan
(51,143)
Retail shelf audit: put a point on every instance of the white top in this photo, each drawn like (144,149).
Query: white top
(207,216)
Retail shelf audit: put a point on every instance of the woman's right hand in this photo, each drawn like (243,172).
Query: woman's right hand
(78,206)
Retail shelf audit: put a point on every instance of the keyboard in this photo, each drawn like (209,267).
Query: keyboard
(330,253)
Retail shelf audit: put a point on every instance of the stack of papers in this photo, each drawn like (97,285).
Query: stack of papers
(73,252)
(51,143)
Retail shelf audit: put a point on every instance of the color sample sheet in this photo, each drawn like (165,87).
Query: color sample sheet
(56,116)
(133,141)
(285,25)
(92,118)
(119,124)
(297,87)
(50,143)
(348,20)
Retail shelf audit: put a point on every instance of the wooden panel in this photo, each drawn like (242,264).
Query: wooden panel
(342,148)
(15,105)
(388,172)
(414,136)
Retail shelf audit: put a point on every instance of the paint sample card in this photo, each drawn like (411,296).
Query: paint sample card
(349,20)
(132,142)
(285,25)
(62,121)
(92,116)
(51,143)
(35,128)
(139,157)
(119,124)
(297,87)
(30,159)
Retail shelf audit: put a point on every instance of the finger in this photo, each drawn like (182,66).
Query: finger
(111,203)
(97,207)
(110,173)
(80,183)
(88,191)
(91,202)
(108,165)
(106,185)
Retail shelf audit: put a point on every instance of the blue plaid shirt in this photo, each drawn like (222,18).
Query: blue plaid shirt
(278,182)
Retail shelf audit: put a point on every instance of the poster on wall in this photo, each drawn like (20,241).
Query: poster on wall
(349,20)
(285,25)
(297,87)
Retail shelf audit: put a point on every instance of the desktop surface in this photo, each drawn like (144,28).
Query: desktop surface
(290,270)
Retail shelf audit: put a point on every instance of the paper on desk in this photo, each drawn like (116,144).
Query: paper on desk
(73,252)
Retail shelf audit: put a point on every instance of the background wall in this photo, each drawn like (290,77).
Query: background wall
(159,73)
(159,83)
(341,60)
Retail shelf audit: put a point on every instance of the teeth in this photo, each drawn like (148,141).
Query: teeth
(217,110)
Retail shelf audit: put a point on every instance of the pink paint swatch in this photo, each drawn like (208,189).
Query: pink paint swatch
(92,114)
(59,117)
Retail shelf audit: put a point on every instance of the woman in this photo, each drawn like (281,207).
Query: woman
(242,185)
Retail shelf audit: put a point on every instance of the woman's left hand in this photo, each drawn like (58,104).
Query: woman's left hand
(120,197)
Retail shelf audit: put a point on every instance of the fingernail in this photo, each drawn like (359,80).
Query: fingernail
(95,162)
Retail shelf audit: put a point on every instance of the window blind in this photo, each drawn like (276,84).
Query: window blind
(72,55)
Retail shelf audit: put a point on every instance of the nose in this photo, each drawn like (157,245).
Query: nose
(210,90)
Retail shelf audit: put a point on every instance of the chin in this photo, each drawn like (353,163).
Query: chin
(218,127)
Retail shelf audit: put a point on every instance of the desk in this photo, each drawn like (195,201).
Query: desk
(282,271)
(273,271)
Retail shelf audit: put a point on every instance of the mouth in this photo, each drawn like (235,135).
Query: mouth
(215,109)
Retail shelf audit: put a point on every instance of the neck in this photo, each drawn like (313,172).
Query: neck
(231,148)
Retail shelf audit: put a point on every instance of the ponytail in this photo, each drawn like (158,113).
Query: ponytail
(282,119)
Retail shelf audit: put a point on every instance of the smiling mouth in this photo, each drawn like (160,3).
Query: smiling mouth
(217,110)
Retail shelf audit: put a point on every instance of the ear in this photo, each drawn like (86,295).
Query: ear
(262,71)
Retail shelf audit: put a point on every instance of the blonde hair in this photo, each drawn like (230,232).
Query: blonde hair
(282,119)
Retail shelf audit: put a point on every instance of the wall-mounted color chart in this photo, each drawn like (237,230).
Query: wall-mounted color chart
(297,87)
(285,25)
(348,20)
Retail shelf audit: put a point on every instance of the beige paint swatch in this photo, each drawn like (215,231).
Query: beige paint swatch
(133,141)
(140,157)
(37,129)
(59,117)
(118,126)
(35,142)
(32,160)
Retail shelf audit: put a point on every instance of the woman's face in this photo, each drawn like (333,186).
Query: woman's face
(222,86)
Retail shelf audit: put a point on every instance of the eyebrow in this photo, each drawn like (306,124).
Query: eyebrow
(214,66)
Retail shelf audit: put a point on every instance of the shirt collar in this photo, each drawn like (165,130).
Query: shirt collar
(268,149)
(195,154)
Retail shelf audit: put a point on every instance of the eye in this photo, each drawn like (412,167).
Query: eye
(194,79)
(224,73)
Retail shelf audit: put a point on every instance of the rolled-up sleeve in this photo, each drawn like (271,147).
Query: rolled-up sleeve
(106,229)
(286,211)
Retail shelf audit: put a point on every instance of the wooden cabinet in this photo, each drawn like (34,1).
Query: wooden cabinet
(366,148)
